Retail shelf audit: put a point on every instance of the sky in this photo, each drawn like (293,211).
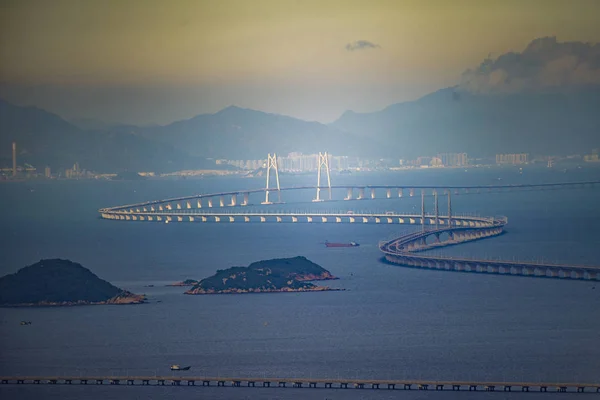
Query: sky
(148,62)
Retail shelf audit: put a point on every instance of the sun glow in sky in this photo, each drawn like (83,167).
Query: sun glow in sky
(146,61)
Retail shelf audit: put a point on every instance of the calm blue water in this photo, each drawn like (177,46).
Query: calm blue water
(391,322)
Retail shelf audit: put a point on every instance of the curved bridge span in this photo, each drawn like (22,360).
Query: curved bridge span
(407,250)
(436,231)
(239,198)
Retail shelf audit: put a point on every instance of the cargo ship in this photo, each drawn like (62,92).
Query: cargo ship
(351,244)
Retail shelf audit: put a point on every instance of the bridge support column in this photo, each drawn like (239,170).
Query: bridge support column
(233,200)
(372,193)
(389,193)
(349,195)
(361,193)
(400,192)
(294,219)
(437,215)
(221,201)
(199,203)
(423,209)
(272,164)
(246,219)
(411,192)
(323,162)
(245,201)
(210,202)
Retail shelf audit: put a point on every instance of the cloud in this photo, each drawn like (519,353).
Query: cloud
(545,63)
(362,45)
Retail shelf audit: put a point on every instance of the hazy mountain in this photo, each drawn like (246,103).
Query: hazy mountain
(456,121)
(238,133)
(542,100)
(45,139)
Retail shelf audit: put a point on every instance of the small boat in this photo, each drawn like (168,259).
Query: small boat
(351,244)
(176,367)
(25,322)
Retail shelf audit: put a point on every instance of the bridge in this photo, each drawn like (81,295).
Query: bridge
(407,250)
(489,386)
(436,231)
(200,205)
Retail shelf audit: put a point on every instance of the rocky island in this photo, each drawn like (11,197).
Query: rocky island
(278,275)
(57,282)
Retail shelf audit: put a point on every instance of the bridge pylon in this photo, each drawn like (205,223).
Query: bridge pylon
(272,164)
(435,208)
(423,209)
(323,162)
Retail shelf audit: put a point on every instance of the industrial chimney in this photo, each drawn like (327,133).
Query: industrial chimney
(14,158)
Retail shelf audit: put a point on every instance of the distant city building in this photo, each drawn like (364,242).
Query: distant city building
(423,161)
(592,157)
(48,172)
(513,159)
(436,162)
(453,159)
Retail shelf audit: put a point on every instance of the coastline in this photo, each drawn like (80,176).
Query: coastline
(201,292)
(128,298)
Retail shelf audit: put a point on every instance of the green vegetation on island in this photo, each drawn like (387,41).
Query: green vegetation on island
(57,282)
(277,275)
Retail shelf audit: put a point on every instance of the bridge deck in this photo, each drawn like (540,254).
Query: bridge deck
(323,381)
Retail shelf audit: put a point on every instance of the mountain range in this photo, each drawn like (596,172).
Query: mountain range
(544,100)
(449,120)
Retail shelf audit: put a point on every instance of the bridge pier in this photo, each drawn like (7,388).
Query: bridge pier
(389,193)
(221,201)
(400,192)
(361,193)
(233,200)
(349,195)
(245,201)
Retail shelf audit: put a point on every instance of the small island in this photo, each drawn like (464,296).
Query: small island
(277,275)
(187,282)
(57,282)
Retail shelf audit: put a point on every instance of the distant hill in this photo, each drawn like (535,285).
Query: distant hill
(238,133)
(45,139)
(543,100)
(60,282)
(453,120)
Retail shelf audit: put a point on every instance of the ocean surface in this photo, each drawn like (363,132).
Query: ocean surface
(390,322)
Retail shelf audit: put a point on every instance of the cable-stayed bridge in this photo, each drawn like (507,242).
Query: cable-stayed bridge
(436,230)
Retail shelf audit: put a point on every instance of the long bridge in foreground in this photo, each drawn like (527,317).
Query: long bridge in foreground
(488,386)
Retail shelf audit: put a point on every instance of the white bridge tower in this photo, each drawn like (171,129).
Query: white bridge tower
(272,164)
(323,163)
